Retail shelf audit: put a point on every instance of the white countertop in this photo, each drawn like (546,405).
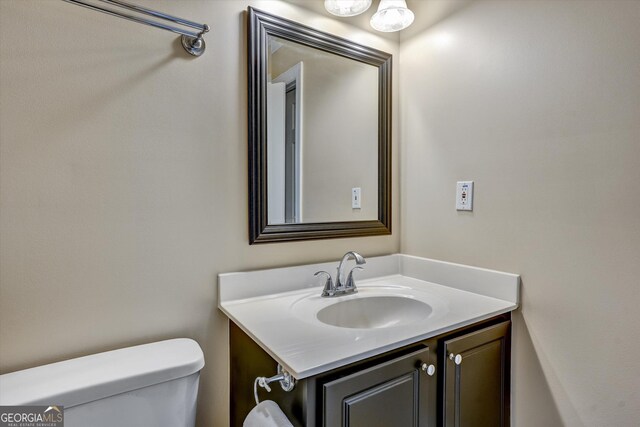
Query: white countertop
(277,308)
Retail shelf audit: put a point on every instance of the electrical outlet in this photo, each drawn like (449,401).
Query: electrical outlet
(356,198)
(464,196)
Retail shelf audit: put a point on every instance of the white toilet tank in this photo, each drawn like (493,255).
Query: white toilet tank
(147,385)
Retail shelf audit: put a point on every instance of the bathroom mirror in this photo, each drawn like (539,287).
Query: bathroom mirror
(319,134)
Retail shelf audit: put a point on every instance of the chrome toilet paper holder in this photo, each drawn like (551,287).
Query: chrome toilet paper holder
(286,380)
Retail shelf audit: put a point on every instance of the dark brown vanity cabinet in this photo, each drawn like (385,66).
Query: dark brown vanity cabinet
(457,379)
(395,393)
(475,371)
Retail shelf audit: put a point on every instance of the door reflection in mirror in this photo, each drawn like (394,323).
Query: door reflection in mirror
(284,146)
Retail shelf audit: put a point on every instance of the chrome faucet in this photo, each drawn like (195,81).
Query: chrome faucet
(341,287)
(359,261)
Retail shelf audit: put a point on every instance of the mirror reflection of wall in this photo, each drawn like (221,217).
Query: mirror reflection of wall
(322,135)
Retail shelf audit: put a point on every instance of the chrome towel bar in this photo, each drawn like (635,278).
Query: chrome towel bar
(192,41)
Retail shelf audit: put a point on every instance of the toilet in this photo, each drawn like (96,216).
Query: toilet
(147,385)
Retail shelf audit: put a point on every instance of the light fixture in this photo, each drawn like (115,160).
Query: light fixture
(392,15)
(346,7)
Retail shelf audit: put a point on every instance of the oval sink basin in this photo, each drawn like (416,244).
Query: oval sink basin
(374,312)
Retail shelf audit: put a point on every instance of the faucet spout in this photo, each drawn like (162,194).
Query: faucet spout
(359,259)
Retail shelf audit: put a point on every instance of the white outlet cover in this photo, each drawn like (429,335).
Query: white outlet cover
(464,196)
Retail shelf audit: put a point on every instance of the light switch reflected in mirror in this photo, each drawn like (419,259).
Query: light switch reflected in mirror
(322,135)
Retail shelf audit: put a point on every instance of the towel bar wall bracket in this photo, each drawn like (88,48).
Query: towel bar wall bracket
(191,41)
(194,45)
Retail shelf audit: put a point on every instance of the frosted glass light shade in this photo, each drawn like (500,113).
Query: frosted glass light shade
(346,7)
(392,15)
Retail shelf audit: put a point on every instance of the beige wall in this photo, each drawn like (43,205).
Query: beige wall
(123,171)
(538,102)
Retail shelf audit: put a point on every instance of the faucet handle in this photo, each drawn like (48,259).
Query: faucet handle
(328,289)
(350,282)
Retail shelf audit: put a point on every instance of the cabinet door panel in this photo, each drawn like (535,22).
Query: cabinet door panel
(392,403)
(475,389)
(394,393)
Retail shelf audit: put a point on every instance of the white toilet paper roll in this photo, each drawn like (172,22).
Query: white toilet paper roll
(267,414)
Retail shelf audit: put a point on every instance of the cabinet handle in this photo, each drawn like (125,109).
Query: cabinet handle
(456,358)
(428,369)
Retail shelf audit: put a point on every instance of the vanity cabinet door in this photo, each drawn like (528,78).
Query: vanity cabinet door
(476,378)
(395,393)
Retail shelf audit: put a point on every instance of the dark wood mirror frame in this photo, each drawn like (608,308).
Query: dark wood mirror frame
(261,25)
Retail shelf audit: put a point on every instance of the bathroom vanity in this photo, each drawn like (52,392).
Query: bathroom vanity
(422,343)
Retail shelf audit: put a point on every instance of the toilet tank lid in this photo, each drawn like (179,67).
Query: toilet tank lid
(85,379)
